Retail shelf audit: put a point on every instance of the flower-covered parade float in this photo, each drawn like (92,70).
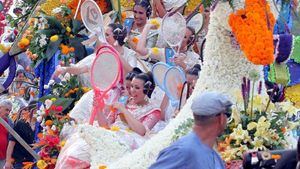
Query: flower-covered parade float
(242,52)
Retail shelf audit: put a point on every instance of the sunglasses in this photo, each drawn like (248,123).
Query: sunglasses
(227,113)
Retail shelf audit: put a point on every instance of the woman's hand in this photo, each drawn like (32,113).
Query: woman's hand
(179,60)
(59,71)
(7,165)
(120,107)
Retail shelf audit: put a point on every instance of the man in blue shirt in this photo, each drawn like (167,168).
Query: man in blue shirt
(195,150)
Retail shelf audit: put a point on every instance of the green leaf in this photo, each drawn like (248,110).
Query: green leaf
(52,48)
(47,32)
(54,23)
(64,102)
(80,51)
(76,26)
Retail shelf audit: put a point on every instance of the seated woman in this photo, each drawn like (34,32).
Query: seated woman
(115,35)
(98,145)
(185,59)
(192,76)
(128,79)
(141,13)
(138,115)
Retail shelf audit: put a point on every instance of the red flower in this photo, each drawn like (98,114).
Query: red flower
(52,140)
(59,108)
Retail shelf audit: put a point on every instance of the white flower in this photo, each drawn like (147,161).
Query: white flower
(53,128)
(56,10)
(39,119)
(51,82)
(43,123)
(46,86)
(48,103)
(67,76)
(42,42)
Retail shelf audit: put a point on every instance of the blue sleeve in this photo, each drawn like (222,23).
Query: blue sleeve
(170,158)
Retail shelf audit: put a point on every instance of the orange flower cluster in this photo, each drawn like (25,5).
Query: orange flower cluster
(103,5)
(253,29)
(24,42)
(66,49)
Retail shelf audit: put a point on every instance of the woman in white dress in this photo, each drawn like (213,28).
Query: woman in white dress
(115,35)
(186,58)
(129,124)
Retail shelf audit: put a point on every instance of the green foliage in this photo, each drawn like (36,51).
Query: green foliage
(183,129)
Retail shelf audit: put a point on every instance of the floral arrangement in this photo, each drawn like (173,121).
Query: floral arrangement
(253,29)
(49,144)
(52,29)
(257,125)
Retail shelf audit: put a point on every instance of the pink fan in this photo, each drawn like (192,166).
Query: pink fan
(105,74)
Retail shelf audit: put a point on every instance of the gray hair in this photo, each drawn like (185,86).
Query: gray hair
(6,103)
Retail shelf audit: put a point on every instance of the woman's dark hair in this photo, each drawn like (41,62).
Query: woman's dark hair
(130,75)
(149,84)
(146,5)
(119,33)
(194,70)
(192,38)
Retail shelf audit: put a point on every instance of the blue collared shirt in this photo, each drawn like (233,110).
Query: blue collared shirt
(188,153)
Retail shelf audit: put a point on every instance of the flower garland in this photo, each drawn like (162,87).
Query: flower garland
(253,28)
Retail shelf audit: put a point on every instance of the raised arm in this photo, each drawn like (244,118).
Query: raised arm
(141,46)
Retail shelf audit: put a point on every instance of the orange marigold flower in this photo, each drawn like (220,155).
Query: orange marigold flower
(135,40)
(49,123)
(71,49)
(64,49)
(40,135)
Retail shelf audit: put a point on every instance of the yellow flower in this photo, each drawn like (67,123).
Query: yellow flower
(239,134)
(53,99)
(41,164)
(155,51)
(292,94)
(54,38)
(236,115)
(102,167)
(289,108)
(115,128)
(258,144)
(68,29)
(4,49)
(155,23)
(62,143)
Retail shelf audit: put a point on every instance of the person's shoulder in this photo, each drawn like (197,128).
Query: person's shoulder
(186,144)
